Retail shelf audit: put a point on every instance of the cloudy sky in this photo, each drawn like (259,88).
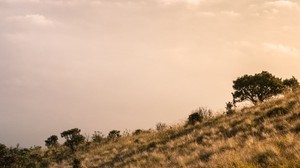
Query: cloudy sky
(125,64)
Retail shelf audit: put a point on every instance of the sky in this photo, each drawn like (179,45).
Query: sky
(100,65)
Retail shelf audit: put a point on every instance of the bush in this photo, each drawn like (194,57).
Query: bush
(278,111)
(114,134)
(51,141)
(161,126)
(97,136)
(199,115)
(137,132)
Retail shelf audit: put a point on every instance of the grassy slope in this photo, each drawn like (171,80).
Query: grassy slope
(266,135)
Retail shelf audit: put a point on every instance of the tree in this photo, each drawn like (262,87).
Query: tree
(256,88)
(73,138)
(229,108)
(51,141)
(291,83)
(3,154)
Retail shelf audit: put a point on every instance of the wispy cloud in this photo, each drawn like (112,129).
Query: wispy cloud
(230,13)
(33,19)
(281,49)
(282,4)
(193,2)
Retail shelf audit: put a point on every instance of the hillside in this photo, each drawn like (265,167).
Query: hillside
(265,135)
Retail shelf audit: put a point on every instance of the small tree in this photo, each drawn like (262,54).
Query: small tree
(256,88)
(73,138)
(51,141)
(229,108)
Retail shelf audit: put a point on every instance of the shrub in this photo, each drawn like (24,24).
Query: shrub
(199,115)
(97,136)
(278,111)
(137,132)
(114,134)
(161,126)
(51,141)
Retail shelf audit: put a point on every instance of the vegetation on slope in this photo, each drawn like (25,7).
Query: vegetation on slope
(263,135)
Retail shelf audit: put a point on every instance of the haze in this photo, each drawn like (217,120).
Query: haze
(100,65)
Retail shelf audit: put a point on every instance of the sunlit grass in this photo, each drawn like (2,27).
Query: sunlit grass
(266,135)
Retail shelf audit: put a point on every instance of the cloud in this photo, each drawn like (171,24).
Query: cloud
(33,19)
(206,14)
(230,13)
(281,49)
(169,2)
(282,4)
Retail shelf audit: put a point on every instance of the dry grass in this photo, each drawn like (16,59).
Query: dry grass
(266,135)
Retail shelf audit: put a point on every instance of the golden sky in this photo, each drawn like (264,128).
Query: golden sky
(126,64)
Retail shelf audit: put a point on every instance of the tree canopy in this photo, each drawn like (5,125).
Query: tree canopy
(73,138)
(256,88)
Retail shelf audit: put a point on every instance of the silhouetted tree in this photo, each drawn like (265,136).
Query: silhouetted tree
(51,141)
(73,138)
(229,108)
(256,88)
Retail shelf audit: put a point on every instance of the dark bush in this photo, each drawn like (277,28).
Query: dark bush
(297,128)
(114,134)
(199,115)
(277,112)
(137,132)
(51,141)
